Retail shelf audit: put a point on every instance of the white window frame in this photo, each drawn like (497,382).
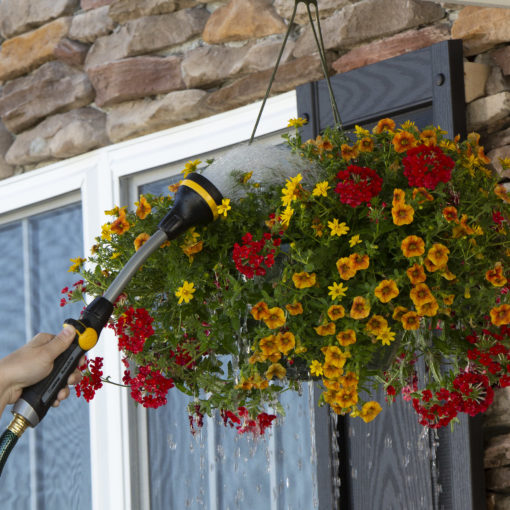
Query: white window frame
(97,177)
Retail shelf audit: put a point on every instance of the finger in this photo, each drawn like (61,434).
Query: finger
(74,378)
(63,393)
(41,339)
(60,342)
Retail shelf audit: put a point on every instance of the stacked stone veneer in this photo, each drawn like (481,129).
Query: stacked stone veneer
(78,75)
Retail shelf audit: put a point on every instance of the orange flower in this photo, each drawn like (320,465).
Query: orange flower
(426,196)
(410,321)
(447,274)
(384,125)
(429,309)
(348,152)
(448,299)
(450,214)
(502,193)
(403,141)
(346,337)
(413,246)
(438,254)
(192,249)
(332,371)
(294,308)
(286,342)
(360,308)
(335,355)
(399,196)
(431,267)
(326,329)
(346,397)
(260,311)
(386,291)
(143,209)
(366,144)
(376,324)
(402,214)
(500,315)
(275,370)
(268,345)
(121,224)
(140,240)
(428,137)
(303,280)
(495,275)
(336,312)
(399,312)
(349,380)
(275,318)
(416,274)
(369,411)
(420,294)
(359,261)
(345,268)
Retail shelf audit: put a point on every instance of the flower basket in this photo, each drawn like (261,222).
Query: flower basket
(391,245)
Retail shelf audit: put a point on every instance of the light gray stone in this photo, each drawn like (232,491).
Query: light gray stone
(326,7)
(497,452)
(495,140)
(147,34)
(498,479)
(137,118)
(89,25)
(124,10)
(496,155)
(6,140)
(71,52)
(263,55)
(497,81)
(54,87)
(60,136)
(490,113)
(18,16)
(355,23)
(497,416)
(134,78)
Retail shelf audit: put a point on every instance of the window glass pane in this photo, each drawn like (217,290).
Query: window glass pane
(16,473)
(51,463)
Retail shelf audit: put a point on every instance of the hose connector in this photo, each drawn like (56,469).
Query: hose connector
(18,425)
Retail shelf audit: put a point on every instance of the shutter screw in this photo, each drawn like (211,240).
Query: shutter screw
(440,79)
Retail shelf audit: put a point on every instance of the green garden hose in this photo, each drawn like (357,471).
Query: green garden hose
(10,437)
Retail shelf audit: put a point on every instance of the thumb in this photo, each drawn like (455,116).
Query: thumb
(59,343)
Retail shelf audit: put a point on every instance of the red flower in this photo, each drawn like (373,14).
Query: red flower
(149,387)
(91,380)
(357,185)
(133,327)
(427,166)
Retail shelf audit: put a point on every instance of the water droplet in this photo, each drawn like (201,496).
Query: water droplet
(388,441)
(354,473)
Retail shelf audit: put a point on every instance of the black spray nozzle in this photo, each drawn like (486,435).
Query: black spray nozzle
(196,203)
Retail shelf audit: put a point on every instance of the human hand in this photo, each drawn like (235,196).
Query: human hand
(33,362)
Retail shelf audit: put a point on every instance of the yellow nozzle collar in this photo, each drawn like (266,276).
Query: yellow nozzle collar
(204,194)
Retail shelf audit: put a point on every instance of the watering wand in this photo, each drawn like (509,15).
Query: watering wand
(195,204)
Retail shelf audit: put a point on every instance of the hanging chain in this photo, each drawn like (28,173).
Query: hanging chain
(322,55)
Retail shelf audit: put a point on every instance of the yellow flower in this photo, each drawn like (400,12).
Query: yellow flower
(76,264)
(500,315)
(338,229)
(294,308)
(366,144)
(246,177)
(260,311)
(428,137)
(429,308)
(190,167)
(304,280)
(427,197)
(298,122)
(321,189)
(275,370)
(336,312)
(360,308)
(337,290)
(354,240)
(346,397)
(174,187)
(268,345)
(361,132)
(285,342)
(413,246)
(143,209)
(275,318)
(106,232)
(332,371)
(316,368)
(121,224)
(346,337)
(224,207)
(386,336)
(402,214)
(496,276)
(448,299)
(185,293)
(416,274)
(359,261)
(420,294)
(335,355)
(399,312)
(369,411)
(326,329)
(140,240)
(345,268)
(286,215)
(399,197)
(348,152)
(386,291)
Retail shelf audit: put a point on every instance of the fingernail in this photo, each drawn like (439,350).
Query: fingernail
(68,331)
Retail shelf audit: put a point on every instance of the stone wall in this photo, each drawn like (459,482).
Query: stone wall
(76,75)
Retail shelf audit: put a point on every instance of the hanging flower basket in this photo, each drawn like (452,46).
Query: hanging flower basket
(394,247)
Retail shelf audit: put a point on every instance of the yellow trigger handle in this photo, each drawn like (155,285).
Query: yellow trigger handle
(87,337)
